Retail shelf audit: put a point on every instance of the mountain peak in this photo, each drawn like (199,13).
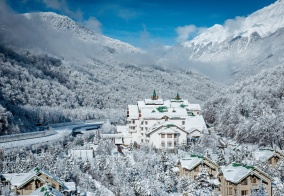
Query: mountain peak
(264,22)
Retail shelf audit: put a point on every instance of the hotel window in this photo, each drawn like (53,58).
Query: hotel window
(169,144)
(169,136)
(141,140)
(183,122)
(230,191)
(245,182)
(162,135)
(142,128)
(244,193)
(146,122)
(146,128)
(175,136)
(163,144)
(253,180)
(133,121)
(142,122)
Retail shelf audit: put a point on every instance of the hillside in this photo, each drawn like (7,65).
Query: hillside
(54,79)
(251,111)
(237,49)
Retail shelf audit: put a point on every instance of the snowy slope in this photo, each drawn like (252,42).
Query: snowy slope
(65,24)
(264,22)
(237,49)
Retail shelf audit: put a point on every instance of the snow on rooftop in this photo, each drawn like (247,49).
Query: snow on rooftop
(154,101)
(133,111)
(161,111)
(196,122)
(18,179)
(194,107)
(71,186)
(263,154)
(235,172)
(122,129)
(190,162)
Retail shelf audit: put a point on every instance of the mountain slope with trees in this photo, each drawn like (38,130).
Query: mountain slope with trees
(252,110)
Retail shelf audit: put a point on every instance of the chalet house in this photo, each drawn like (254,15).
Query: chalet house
(270,156)
(161,123)
(27,183)
(239,179)
(191,166)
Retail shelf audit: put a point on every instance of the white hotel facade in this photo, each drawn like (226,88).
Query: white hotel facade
(162,123)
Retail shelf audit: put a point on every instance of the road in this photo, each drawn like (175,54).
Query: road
(62,129)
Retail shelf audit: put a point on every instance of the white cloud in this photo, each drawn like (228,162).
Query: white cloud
(93,24)
(62,6)
(54,4)
(126,14)
(187,32)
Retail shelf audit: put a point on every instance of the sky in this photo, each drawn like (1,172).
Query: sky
(145,22)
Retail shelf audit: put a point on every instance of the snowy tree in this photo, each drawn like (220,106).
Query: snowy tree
(261,191)
(183,184)
(221,161)
(203,186)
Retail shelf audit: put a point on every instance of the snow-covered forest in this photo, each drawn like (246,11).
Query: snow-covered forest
(137,170)
(42,89)
(251,111)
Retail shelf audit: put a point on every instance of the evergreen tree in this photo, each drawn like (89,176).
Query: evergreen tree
(203,186)
(262,191)
(221,161)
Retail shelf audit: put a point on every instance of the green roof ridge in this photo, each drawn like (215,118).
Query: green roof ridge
(242,165)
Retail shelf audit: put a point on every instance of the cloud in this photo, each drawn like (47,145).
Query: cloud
(126,14)
(186,32)
(93,24)
(54,4)
(62,6)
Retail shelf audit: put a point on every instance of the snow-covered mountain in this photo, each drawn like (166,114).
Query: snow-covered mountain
(47,32)
(238,48)
(263,22)
(52,69)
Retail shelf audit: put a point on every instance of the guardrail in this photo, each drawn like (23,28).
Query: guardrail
(24,136)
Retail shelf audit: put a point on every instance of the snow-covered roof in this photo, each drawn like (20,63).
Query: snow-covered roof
(19,179)
(160,111)
(235,172)
(195,107)
(196,122)
(191,161)
(82,154)
(122,129)
(133,111)
(154,101)
(262,154)
(71,186)
(168,127)
(46,189)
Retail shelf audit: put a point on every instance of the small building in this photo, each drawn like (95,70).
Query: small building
(271,156)
(239,179)
(191,166)
(26,183)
